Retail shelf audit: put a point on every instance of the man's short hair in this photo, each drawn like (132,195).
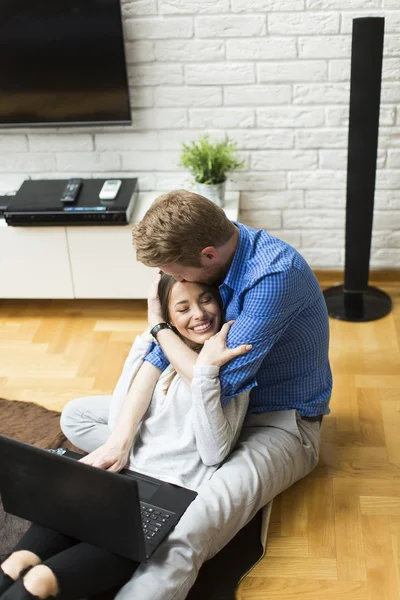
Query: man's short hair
(177,227)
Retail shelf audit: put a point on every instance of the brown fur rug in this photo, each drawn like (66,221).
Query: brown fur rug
(33,424)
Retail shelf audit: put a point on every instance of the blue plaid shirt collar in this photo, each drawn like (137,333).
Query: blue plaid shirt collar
(237,270)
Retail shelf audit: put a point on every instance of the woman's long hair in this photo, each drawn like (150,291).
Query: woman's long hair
(164,292)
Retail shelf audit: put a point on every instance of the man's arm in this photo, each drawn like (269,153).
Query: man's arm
(269,307)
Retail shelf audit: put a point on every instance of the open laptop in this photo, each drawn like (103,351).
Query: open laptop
(126,513)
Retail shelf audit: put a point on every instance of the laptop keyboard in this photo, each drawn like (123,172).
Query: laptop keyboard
(154,520)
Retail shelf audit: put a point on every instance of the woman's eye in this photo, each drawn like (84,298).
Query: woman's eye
(207,300)
(183,310)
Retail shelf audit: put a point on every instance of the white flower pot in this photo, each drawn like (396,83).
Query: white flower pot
(214,192)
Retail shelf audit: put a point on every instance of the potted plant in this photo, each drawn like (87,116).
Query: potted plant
(209,162)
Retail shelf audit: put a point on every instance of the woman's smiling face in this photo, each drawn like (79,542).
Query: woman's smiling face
(194,311)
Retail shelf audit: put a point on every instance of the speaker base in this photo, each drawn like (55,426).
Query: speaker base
(369,305)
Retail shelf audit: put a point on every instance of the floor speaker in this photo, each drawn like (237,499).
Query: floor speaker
(355,300)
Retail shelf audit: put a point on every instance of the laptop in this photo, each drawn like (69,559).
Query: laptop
(126,513)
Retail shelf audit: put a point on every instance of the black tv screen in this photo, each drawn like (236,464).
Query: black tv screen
(62,62)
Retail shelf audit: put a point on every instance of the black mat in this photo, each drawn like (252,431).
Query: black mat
(218,578)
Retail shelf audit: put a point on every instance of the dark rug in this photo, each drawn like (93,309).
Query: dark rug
(218,578)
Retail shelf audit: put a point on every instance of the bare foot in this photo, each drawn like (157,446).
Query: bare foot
(41,581)
(19,560)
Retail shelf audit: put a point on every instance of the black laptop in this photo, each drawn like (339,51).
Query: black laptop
(126,513)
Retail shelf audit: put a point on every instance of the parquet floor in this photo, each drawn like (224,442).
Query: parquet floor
(335,535)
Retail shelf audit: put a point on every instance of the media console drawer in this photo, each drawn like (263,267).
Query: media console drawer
(34,262)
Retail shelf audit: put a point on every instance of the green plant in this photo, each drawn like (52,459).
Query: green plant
(210,161)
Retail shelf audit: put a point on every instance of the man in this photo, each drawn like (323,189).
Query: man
(270,292)
(266,287)
(275,300)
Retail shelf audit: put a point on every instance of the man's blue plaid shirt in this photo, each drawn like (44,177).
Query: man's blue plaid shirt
(278,307)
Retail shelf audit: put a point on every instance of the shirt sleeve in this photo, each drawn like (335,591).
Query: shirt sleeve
(268,309)
(156,357)
(216,429)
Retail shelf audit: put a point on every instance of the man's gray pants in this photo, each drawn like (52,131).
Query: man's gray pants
(274,450)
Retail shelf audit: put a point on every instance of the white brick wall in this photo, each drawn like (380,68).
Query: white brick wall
(274,76)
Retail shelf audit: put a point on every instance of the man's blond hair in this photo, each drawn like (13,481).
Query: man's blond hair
(177,227)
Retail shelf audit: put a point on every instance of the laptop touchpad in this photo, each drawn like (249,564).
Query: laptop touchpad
(146,489)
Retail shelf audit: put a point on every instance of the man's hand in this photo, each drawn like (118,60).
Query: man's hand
(215,351)
(110,456)
(153,304)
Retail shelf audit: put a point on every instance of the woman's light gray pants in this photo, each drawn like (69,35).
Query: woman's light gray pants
(274,450)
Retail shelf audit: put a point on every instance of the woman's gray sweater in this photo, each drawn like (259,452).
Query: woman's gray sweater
(185,434)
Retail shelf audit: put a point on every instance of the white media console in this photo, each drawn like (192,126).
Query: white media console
(79,261)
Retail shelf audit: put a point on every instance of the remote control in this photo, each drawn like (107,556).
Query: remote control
(110,189)
(71,191)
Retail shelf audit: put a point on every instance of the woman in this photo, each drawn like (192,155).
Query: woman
(160,427)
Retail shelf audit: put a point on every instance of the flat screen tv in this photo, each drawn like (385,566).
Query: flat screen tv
(62,62)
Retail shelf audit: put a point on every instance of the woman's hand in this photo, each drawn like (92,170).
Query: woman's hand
(111,456)
(215,351)
(153,304)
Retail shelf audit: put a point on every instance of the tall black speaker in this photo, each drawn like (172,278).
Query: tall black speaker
(356,300)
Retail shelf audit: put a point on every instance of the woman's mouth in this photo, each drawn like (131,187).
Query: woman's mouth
(203,328)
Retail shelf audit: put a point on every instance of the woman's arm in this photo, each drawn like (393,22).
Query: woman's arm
(133,362)
(135,405)
(216,429)
(130,401)
(113,455)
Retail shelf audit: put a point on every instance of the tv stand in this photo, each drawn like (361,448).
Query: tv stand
(79,262)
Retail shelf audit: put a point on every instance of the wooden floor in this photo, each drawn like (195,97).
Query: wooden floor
(334,535)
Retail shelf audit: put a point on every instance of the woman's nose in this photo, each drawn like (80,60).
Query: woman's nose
(199,312)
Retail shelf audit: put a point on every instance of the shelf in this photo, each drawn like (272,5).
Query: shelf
(79,262)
